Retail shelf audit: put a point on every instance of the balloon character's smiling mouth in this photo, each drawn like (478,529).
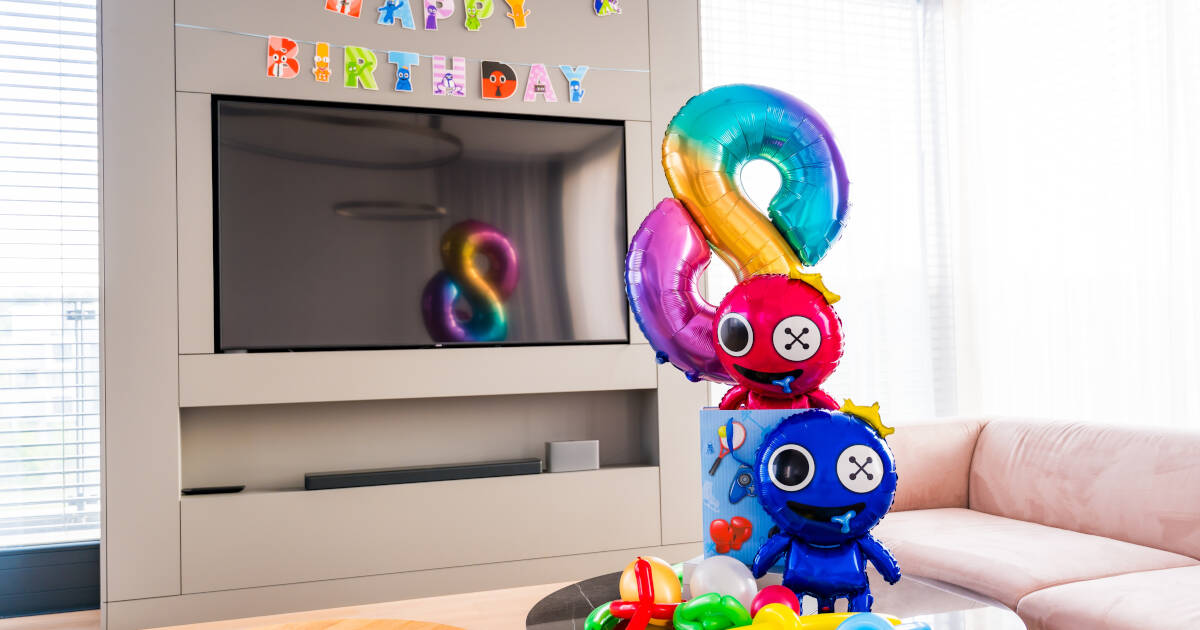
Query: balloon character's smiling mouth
(769,378)
(823,514)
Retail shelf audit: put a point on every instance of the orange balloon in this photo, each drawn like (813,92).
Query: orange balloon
(666,584)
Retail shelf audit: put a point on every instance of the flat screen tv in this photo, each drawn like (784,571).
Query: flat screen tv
(355,227)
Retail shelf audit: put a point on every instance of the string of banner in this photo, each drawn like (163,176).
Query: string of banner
(498,79)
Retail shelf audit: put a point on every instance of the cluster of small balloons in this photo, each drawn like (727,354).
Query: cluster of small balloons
(725,596)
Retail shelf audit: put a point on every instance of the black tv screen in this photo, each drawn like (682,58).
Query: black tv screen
(354,227)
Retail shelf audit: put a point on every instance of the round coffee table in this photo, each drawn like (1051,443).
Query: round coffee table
(912,599)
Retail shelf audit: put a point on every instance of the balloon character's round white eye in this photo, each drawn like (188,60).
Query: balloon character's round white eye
(860,468)
(791,467)
(796,338)
(734,334)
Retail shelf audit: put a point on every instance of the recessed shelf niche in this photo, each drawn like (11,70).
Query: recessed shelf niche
(270,447)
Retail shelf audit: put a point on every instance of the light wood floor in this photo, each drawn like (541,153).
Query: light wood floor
(503,609)
(83,620)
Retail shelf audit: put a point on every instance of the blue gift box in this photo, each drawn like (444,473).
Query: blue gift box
(728,492)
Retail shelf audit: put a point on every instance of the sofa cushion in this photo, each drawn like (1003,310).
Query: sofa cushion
(1006,559)
(1148,599)
(934,463)
(1138,485)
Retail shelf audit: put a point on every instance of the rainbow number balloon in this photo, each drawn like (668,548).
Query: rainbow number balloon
(483,291)
(706,145)
(719,131)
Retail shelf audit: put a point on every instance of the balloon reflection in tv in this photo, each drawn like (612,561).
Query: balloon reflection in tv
(463,302)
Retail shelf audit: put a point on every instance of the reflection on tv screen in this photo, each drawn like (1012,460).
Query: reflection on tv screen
(344,227)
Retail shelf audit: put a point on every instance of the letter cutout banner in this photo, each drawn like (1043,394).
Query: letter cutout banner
(281,58)
(518,12)
(394,11)
(497,80)
(404,62)
(360,68)
(574,81)
(352,8)
(321,71)
(476,11)
(436,10)
(449,81)
(539,83)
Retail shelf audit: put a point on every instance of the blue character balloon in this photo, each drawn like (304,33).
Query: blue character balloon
(826,478)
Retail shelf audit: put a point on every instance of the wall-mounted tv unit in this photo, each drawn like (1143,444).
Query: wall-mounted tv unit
(357,227)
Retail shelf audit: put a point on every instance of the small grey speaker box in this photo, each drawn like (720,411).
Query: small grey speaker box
(570,456)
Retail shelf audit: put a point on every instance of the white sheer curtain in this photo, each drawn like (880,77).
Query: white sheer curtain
(1078,134)
(1025,188)
(873,69)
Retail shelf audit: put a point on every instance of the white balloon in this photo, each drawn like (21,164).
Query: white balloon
(724,575)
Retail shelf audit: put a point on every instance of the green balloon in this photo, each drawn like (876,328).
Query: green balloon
(601,619)
(711,611)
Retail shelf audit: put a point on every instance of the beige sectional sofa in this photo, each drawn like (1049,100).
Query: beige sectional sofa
(1070,525)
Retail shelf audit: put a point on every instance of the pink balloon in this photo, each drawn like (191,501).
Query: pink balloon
(775,594)
(665,260)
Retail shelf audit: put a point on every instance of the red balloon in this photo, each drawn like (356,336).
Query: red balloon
(775,594)
(779,339)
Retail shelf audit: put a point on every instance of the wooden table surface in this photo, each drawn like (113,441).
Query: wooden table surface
(503,609)
(355,623)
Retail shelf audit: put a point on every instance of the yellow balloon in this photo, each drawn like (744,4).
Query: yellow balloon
(666,584)
(740,235)
(780,617)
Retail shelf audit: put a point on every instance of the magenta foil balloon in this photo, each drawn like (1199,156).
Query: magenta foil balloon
(665,260)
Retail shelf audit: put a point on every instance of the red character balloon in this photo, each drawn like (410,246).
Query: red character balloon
(775,337)
(778,339)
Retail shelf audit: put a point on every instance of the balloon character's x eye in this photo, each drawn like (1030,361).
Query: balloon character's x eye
(796,338)
(860,468)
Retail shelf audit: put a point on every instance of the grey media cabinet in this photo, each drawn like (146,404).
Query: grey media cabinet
(178,415)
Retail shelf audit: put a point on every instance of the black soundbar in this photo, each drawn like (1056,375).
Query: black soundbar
(420,474)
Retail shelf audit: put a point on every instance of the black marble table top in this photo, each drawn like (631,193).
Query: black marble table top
(568,607)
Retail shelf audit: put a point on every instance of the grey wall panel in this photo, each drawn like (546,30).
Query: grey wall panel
(259,539)
(675,62)
(140,322)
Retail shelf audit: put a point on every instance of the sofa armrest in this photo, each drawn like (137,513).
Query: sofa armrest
(934,463)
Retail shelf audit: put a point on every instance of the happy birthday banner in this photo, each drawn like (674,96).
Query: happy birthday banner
(498,81)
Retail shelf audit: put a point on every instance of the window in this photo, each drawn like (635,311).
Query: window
(873,69)
(1080,148)
(49,274)
(1025,206)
